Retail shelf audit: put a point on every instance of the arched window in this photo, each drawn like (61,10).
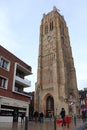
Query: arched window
(51,25)
(46,28)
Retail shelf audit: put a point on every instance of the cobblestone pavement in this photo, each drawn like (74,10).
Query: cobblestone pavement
(46,125)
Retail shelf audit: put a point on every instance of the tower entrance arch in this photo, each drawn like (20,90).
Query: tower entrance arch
(49,106)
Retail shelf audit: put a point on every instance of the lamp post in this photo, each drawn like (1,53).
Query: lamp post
(56,111)
(55,120)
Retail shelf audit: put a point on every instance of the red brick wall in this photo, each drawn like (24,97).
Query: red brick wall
(10,94)
(9,74)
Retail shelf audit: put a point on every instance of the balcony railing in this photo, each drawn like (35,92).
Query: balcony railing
(21,92)
(23,82)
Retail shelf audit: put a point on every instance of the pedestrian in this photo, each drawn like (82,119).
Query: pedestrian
(41,116)
(86,113)
(50,116)
(36,114)
(62,113)
(83,110)
(22,117)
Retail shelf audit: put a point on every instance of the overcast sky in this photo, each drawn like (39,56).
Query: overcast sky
(20,26)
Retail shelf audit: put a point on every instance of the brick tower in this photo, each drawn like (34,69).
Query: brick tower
(56,77)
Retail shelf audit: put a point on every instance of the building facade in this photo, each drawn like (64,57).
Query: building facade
(13,80)
(56,84)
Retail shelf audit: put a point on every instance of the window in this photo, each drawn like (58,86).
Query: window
(51,25)
(46,28)
(18,88)
(3,82)
(62,39)
(5,64)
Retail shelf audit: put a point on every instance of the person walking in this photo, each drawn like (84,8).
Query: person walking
(36,114)
(22,117)
(62,113)
(41,116)
(83,110)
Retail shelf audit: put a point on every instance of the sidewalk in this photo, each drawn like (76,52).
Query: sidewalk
(46,125)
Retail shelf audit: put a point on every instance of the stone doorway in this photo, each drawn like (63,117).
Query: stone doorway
(49,106)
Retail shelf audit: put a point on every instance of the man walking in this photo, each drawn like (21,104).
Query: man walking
(62,113)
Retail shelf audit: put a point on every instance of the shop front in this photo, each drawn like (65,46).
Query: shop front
(12,109)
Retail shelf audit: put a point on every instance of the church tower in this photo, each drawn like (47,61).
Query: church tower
(56,77)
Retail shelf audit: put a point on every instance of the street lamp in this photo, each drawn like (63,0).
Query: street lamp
(55,120)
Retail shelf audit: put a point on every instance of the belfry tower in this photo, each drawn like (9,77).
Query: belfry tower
(56,76)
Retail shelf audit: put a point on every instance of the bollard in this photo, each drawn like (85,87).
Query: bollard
(54,123)
(26,123)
